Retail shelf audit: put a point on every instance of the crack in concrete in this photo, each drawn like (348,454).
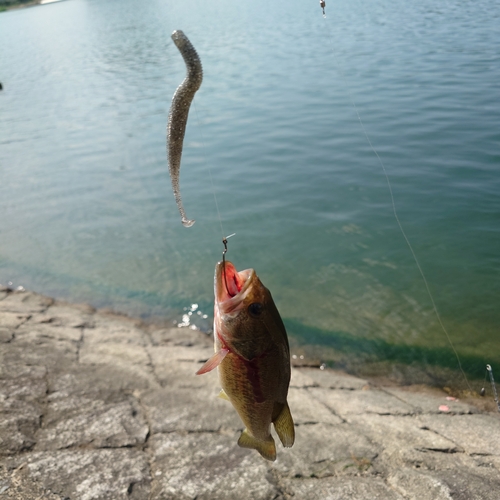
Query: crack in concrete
(450,451)
(15,328)
(146,446)
(457,446)
(79,343)
(417,410)
(333,412)
(150,364)
(274,478)
(45,407)
(130,488)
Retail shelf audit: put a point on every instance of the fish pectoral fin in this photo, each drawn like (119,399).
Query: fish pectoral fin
(283,424)
(213,362)
(266,448)
(223,395)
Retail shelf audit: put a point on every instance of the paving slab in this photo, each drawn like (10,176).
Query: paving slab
(17,484)
(113,474)
(397,458)
(324,450)
(458,482)
(484,440)
(115,332)
(21,409)
(77,421)
(431,402)
(23,388)
(470,484)
(207,466)
(18,426)
(31,332)
(331,379)
(176,366)
(416,484)
(342,489)
(173,409)
(25,303)
(403,431)
(43,352)
(9,322)
(97,381)
(345,403)
(129,357)
(61,314)
(307,409)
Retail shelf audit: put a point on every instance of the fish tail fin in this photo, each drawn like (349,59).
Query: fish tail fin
(266,448)
(283,423)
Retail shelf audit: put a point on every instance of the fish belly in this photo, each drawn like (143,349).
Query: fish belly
(247,396)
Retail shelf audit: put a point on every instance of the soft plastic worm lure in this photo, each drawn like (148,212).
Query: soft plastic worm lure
(178,115)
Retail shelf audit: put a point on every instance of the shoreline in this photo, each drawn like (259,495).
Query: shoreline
(100,405)
(22,5)
(391,374)
(19,5)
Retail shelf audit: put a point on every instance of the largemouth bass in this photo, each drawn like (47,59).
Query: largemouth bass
(253,358)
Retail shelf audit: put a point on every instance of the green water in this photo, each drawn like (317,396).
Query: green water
(87,208)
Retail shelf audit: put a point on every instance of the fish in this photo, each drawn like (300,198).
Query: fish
(179,112)
(252,356)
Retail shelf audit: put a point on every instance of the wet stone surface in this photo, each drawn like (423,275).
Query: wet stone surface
(98,406)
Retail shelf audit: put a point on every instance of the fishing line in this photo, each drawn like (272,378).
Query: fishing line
(206,164)
(224,238)
(493,386)
(424,279)
(482,392)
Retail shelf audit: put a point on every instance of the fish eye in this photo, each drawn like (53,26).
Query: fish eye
(255,309)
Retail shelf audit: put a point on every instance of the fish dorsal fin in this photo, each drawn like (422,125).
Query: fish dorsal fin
(266,448)
(283,424)
(213,362)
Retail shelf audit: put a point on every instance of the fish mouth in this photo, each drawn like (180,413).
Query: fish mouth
(231,286)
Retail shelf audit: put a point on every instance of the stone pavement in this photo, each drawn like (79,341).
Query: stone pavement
(99,406)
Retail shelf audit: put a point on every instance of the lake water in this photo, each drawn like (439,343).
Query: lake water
(87,211)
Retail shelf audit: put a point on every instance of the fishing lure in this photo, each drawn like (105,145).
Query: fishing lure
(178,114)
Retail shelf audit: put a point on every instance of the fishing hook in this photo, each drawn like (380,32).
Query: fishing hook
(224,242)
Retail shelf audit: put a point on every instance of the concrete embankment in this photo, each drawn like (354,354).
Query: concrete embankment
(100,406)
